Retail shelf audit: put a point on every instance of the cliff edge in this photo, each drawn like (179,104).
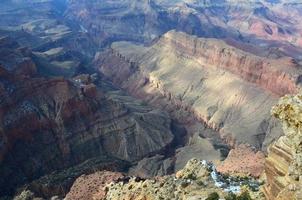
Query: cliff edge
(283,167)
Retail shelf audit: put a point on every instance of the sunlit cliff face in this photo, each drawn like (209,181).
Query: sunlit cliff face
(283,164)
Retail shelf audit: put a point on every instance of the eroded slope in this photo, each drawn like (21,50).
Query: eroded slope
(230,90)
(49,124)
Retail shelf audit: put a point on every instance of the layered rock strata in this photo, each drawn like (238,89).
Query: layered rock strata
(273,26)
(51,124)
(279,76)
(178,74)
(48,126)
(283,166)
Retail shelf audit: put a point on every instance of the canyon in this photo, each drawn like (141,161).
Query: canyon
(273,25)
(216,82)
(150,99)
(282,171)
(59,123)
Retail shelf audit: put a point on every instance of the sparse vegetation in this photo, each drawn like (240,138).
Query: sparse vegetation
(213,196)
(200,183)
(184,184)
(191,176)
(231,196)
(243,196)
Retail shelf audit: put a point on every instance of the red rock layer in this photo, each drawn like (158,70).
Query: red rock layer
(276,169)
(283,166)
(90,187)
(243,161)
(131,76)
(55,123)
(277,75)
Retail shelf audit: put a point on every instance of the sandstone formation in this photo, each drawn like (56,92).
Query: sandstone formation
(79,121)
(243,161)
(59,119)
(50,124)
(194,181)
(54,129)
(283,166)
(276,75)
(74,128)
(225,92)
(92,187)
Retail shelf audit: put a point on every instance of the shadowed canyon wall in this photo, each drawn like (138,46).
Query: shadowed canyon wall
(52,124)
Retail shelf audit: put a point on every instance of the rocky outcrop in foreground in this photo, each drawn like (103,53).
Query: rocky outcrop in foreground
(283,166)
(180,186)
(196,180)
